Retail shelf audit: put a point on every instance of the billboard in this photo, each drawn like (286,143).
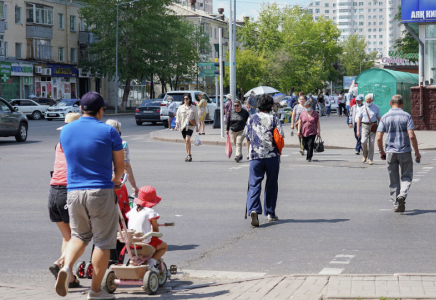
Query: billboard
(348,80)
(418,11)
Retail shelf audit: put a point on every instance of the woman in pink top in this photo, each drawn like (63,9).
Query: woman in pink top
(57,202)
(309,128)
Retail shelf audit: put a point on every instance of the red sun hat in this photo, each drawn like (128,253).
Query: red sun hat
(147,197)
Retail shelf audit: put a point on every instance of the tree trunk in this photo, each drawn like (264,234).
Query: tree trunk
(125,96)
(152,87)
(176,83)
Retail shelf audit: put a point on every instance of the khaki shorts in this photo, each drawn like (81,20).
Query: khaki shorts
(93,214)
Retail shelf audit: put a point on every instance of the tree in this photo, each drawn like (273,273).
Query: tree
(406,43)
(249,70)
(354,58)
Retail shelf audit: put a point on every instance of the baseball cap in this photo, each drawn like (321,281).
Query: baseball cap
(359,97)
(92,101)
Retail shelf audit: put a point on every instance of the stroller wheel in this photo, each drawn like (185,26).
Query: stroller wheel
(80,269)
(89,270)
(163,273)
(150,282)
(108,284)
(173,269)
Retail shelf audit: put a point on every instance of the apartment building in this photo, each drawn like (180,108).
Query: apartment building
(41,43)
(204,5)
(371,19)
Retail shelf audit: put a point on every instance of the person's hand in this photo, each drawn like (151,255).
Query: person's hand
(299,134)
(350,125)
(135,191)
(358,134)
(227,132)
(318,134)
(382,155)
(117,184)
(292,126)
(417,156)
(176,127)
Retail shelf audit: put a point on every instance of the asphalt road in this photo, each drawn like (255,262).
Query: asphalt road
(334,213)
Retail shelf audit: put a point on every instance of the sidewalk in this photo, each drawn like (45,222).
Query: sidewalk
(296,287)
(334,132)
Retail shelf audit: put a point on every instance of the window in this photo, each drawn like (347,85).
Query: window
(380,9)
(369,17)
(360,10)
(360,23)
(369,29)
(84,27)
(360,29)
(360,3)
(215,30)
(327,17)
(380,3)
(326,5)
(6,49)
(317,3)
(380,36)
(374,10)
(311,10)
(334,11)
(18,50)
(61,21)
(369,36)
(380,29)
(334,18)
(354,4)
(374,43)
(391,35)
(17,14)
(326,11)
(2,10)
(390,28)
(317,10)
(374,23)
(73,55)
(361,36)
(61,54)
(380,43)
(39,14)
(343,17)
(390,9)
(343,23)
(72,23)
(334,4)
(316,18)
(374,36)
(391,22)
(369,10)
(380,16)
(345,10)
(380,23)
(361,17)
(369,23)
(354,23)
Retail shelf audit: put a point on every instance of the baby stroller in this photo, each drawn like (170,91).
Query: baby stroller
(136,271)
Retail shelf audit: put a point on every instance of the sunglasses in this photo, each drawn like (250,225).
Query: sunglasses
(185,98)
(236,105)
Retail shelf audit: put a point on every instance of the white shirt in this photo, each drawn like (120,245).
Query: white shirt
(140,220)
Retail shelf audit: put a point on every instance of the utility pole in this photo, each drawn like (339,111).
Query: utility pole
(232,86)
(220,54)
(234,49)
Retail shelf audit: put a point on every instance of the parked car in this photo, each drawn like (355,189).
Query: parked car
(178,99)
(148,111)
(45,101)
(12,122)
(30,108)
(62,108)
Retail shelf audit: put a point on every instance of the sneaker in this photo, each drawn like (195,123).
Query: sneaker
(237,159)
(154,269)
(240,158)
(272,218)
(248,157)
(302,152)
(364,159)
(254,219)
(370,162)
(62,281)
(54,269)
(357,152)
(400,204)
(102,295)
(309,160)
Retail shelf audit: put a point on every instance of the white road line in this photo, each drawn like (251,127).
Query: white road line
(223,274)
(416,180)
(419,175)
(331,271)
(342,259)
(179,215)
(284,155)
(429,168)
(423,172)
(385,209)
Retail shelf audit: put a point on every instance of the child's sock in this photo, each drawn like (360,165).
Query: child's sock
(151,262)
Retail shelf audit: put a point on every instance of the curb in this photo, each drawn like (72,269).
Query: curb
(120,114)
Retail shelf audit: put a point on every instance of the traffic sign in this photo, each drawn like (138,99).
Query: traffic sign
(205,64)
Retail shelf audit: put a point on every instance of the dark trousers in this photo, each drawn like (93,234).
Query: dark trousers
(358,143)
(258,169)
(309,144)
(342,108)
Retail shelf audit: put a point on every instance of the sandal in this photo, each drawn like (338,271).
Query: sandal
(54,269)
(75,283)
(189,157)
(186,158)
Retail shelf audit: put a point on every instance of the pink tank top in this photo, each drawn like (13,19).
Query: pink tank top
(60,168)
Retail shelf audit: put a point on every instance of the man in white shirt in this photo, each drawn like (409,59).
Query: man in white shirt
(368,138)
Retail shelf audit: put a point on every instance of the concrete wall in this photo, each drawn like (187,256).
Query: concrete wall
(429,111)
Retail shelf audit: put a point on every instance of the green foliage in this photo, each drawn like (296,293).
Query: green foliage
(298,51)
(406,43)
(354,57)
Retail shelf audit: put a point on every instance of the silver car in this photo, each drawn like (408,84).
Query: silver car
(12,122)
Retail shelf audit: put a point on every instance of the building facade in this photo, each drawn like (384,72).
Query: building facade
(204,5)
(371,19)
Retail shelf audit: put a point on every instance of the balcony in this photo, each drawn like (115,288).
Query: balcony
(39,32)
(86,38)
(39,52)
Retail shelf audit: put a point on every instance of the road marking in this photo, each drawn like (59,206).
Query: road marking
(419,175)
(416,180)
(422,172)
(331,271)
(342,259)
(386,209)
(235,168)
(223,274)
(179,215)
(429,168)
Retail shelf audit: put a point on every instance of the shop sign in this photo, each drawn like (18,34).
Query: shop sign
(21,70)
(28,80)
(418,11)
(63,71)
(399,57)
(5,71)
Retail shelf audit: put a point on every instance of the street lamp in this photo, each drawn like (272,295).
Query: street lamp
(116,56)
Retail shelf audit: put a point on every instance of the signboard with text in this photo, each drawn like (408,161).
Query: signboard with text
(63,71)
(418,11)
(21,69)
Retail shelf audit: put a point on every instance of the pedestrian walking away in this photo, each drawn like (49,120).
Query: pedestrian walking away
(236,124)
(328,104)
(57,203)
(91,149)
(227,107)
(309,129)
(352,122)
(400,139)
(202,113)
(264,159)
(321,104)
(296,116)
(187,121)
(252,103)
(341,104)
(172,110)
(368,115)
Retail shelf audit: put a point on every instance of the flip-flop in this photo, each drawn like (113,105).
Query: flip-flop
(54,269)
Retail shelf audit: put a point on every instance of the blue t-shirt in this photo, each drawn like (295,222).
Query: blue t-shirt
(396,123)
(88,145)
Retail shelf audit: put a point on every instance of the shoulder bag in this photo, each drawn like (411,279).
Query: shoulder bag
(374,126)
(279,140)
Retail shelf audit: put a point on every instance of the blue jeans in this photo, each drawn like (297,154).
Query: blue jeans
(258,168)
(347,111)
(358,144)
(329,108)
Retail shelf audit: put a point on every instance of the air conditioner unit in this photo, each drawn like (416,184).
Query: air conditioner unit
(44,71)
(48,71)
(38,70)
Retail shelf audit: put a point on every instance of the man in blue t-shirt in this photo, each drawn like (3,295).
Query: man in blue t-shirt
(400,139)
(91,148)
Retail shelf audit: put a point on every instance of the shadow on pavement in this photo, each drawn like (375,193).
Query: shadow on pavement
(416,212)
(181,247)
(284,221)
(5,143)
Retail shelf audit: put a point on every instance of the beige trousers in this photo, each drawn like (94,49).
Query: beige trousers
(238,139)
(368,141)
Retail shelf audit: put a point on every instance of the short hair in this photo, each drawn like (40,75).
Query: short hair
(170,98)
(369,96)
(265,103)
(308,103)
(91,112)
(301,94)
(189,96)
(237,101)
(114,123)
(397,99)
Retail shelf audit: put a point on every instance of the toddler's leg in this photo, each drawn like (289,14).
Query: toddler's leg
(160,251)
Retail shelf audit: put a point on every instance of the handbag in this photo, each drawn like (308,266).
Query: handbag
(228,147)
(319,144)
(374,126)
(279,140)
(197,140)
(192,123)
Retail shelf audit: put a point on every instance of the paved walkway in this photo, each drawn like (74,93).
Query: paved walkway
(296,287)
(334,132)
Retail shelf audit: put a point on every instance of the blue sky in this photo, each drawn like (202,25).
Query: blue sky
(251,7)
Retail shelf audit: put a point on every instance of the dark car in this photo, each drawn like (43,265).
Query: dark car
(148,111)
(12,122)
(45,101)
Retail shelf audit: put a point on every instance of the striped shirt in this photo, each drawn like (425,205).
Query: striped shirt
(396,122)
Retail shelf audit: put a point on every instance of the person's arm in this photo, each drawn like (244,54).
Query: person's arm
(350,118)
(380,145)
(358,127)
(130,177)
(293,119)
(154,225)
(228,122)
(414,142)
(118,160)
(197,121)
(177,118)
(318,125)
